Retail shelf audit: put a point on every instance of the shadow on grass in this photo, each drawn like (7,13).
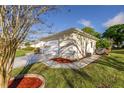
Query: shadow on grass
(118,51)
(75,72)
(82,73)
(112,62)
(68,81)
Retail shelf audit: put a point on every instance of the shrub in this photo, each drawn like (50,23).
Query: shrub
(37,50)
(103,43)
(27,44)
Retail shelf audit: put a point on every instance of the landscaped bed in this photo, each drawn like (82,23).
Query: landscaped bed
(27,81)
(62,60)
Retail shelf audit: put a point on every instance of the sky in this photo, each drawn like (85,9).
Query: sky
(97,17)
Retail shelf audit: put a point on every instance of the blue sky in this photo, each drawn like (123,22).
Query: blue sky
(98,17)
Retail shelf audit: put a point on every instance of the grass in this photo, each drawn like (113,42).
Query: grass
(119,51)
(108,71)
(22,52)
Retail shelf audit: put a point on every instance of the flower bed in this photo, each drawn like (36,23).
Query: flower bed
(61,60)
(27,81)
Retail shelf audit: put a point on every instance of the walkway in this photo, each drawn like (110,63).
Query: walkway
(33,58)
(75,65)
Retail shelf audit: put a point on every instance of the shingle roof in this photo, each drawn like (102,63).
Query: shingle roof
(56,36)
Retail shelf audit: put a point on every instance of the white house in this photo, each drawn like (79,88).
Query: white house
(37,44)
(72,43)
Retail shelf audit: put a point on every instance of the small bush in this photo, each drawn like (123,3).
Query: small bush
(103,43)
(37,50)
(27,44)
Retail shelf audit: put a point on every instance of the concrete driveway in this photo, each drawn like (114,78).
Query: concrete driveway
(27,60)
(33,58)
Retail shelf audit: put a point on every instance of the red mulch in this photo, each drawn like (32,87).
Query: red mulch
(25,82)
(61,60)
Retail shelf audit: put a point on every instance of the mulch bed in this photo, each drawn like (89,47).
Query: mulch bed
(62,60)
(25,82)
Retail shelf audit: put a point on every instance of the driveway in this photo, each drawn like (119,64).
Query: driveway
(27,60)
(33,58)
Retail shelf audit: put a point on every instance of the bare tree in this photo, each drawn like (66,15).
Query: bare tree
(15,23)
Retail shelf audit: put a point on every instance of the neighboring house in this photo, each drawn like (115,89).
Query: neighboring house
(72,43)
(37,44)
(34,44)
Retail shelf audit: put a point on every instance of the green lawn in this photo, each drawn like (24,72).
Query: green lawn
(108,71)
(21,53)
(119,51)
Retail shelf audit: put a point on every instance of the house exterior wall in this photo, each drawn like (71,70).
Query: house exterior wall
(77,46)
(50,48)
(73,46)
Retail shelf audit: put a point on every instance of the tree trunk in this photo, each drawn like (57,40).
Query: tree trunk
(6,67)
(4,78)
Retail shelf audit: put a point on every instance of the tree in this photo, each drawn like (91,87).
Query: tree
(103,43)
(115,34)
(15,24)
(91,31)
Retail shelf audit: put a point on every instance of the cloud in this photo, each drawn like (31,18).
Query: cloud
(118,19)
(85,22)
